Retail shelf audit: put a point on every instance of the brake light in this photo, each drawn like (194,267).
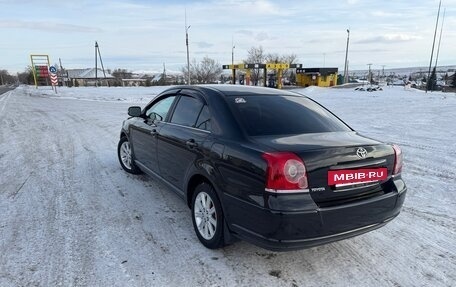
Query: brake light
(286,172)
(397,160)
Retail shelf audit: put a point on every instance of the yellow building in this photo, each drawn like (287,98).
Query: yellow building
(322,77)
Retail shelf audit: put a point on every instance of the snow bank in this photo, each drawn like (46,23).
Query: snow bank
(120,94)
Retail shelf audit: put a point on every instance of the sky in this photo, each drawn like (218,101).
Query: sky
(141,35)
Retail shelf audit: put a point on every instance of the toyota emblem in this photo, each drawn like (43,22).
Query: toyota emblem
(361,152)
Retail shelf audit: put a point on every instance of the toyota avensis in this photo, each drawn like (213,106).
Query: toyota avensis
(271,167)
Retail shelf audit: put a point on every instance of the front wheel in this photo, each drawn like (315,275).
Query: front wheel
(125,156)
(207,216)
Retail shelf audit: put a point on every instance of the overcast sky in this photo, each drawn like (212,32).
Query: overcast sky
(142,35)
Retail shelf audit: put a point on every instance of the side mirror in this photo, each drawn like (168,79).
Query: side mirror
(134,111)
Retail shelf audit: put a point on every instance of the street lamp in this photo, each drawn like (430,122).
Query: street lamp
(346,57)
(232,63)
(188,57)
(232,60)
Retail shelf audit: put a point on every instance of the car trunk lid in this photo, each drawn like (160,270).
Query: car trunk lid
(341,166)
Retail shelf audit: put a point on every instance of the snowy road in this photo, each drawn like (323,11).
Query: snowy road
(71,217)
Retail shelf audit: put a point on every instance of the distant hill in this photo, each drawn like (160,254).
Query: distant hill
(406,71)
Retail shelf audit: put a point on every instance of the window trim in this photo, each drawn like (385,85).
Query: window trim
(192,128)
(178,93)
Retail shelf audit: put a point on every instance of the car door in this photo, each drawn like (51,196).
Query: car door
(143,134)
(182,141)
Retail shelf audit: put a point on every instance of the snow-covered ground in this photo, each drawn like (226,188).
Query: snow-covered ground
(70,216)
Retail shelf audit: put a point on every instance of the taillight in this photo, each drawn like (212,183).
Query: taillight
(397,160)
(286,172)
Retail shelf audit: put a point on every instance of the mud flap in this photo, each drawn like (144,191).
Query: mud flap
(228,238)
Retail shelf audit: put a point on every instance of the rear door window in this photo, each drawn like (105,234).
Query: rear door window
(187,111)
(283,115)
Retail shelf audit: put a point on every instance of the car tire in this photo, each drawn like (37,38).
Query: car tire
(125,156)
(207,216)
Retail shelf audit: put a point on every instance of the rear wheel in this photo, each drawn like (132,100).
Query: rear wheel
(125,156)
(207,216)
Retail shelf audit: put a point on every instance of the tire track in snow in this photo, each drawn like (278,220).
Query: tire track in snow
(53,171)
(27,144)
(4,101)
(157,221)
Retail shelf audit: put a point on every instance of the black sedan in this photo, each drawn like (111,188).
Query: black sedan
(271,167)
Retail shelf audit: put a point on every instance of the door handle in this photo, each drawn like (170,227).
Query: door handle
(191,143)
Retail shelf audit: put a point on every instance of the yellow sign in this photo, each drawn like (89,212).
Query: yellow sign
(277,66)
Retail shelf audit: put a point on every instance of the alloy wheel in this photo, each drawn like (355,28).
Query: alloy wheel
(205,215)
(125,154)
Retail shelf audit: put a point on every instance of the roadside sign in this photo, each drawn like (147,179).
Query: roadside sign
(277,65)
(40,69)
(54,80)
(53,75)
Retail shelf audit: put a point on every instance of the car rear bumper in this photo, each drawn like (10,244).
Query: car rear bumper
(298,229)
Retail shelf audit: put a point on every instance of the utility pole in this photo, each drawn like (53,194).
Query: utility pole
(96,64)
(440,39)
(98,54)
(62,73)
(101,62)
(346,58)
(433,44)
(186,43)
(369,75)
(232,52)
(164,74)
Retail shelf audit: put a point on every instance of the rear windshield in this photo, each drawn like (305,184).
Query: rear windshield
(283,115)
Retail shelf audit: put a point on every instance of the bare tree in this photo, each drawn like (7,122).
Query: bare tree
(287,59)
(276,58)
(6,78)
(290,73)
(255,55)
(121,74)
(205,72)
(273,58)
(26,77)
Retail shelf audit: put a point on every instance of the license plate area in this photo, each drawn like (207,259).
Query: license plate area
(344,177)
